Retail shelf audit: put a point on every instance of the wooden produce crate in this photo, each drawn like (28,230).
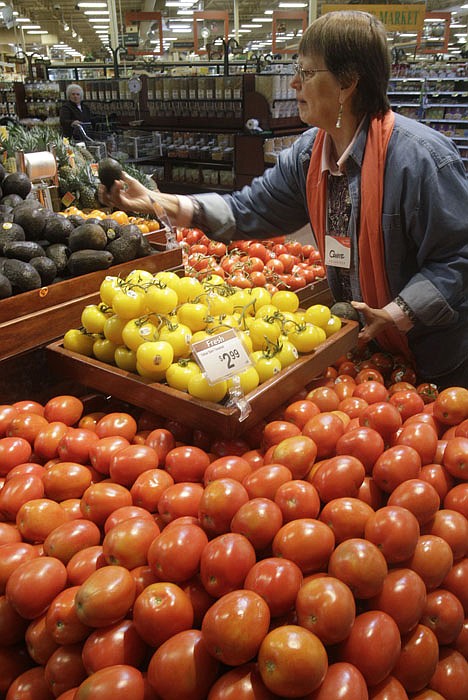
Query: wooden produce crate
(34,318)
(209,416)
(315,293)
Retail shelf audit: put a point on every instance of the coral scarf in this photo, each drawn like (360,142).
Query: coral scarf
(372,273)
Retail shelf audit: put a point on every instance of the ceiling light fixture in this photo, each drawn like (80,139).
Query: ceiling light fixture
(92,4)
(66,27)
(96,12)
(37,31)
(292,4)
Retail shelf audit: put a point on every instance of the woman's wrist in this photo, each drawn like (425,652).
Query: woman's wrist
(168,202)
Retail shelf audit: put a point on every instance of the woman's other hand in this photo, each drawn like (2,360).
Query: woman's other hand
(375,320)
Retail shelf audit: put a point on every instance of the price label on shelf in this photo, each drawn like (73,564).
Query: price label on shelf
(222,355)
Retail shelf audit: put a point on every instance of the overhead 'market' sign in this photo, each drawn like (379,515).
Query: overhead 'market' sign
(396,18)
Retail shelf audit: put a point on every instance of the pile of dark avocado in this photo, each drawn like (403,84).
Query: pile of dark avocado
(39,247)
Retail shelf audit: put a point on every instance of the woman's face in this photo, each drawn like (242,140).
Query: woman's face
(317,93)
(75,96)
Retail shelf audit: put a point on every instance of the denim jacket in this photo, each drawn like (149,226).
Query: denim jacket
(425,225)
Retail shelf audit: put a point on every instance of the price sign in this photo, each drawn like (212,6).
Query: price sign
(221,356)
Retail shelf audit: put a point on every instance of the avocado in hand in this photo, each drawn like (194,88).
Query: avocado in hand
(109,171)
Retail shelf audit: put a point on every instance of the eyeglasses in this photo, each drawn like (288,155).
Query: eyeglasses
(305,74)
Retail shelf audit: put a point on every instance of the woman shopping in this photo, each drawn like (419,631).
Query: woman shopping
(74,112)
(386,196)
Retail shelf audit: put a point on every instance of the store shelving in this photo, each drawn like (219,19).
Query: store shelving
(441,101)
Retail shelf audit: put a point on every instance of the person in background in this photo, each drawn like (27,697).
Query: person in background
(386,197)
(74,112)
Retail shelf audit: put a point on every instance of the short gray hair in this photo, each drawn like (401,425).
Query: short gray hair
(73,88)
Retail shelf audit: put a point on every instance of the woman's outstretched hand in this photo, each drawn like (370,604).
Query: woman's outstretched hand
(375,320)
(128,194)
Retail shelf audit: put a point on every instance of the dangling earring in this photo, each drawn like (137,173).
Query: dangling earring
(340,115)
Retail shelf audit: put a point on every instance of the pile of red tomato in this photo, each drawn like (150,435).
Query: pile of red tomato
(321,557)
(275,263)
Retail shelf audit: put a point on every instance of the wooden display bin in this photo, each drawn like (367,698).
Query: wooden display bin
(315,293)
(34,318)
(209,416)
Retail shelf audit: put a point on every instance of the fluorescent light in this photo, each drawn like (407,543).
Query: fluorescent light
(37,31)
(292,4)
(251,26)
(245,31)
(408,35)
(92,4)
(185,12)
(262,19)
(96,12)
(25,20)
(181,30)
(33,26)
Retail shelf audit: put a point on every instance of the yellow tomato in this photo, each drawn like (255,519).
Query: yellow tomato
(243,301)
(113,328)
(160,298)
(128,303)
(261,296)
(138,331)
(318,314)
(93,318)
(153,375)
(246,339)
(125,358)
(287,353)
(179,336)
(189,289)
(200,388)
(285,300)
(307,337)
(266,310)
(179,374)
(104,350)
(333,325)
(266,367)
(262,331)
(213,280)
(218,304)
(109,286)
(154,356)
(169,278)
(193,315)
(249,380)
(139,277)
(79,341)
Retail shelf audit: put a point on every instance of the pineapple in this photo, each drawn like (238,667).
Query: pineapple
(87,197)
(87,188)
